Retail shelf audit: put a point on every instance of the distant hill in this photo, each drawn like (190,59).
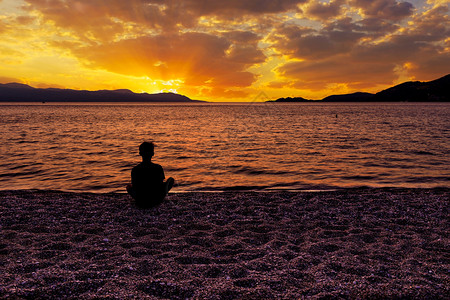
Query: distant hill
(415,91)
(17,92)
(358,96)
(289,99)
(412,91)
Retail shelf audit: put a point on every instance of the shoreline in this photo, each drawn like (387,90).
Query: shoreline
(243,191)
(350,243)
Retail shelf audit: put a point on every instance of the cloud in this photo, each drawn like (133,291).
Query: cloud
(196,58)
(8,52)
(433,23)
(324,11)
(245,54)
(104,19)
(385,9)
(305,43)
(2,27)
(48,85)
(5,79)
(89,19)
(341,70)
(277,84)
(237,7)
(25,20)
(242,37)
(424,39)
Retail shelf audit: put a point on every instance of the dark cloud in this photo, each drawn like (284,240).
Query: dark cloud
(305,43)
(386,9)
(435,23)
(425,38)
(371,27)
(397,49)
(341,70)
(242,37)
(245,54)
(324,11)
(237,7)
(103,18)
(377,27)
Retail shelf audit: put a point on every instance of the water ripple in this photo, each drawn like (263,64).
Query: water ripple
(227,147)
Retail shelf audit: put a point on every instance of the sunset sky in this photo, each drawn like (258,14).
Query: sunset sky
(230,50)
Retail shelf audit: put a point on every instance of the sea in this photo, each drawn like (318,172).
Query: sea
(92,147)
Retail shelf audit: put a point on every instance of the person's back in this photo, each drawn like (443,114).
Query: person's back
(147,180)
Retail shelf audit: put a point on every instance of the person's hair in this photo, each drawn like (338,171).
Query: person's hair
(147,149)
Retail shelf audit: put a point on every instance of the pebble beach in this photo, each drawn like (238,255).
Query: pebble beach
(349,243)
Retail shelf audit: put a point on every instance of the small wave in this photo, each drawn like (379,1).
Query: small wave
(98,188)
(253,171)
(372,164)
(359,177)
(171,169)
(12,167)
(185,183)
(422,153)
(346,147)
(427,179)
(21,174)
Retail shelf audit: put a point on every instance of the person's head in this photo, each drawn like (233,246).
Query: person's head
(147,149)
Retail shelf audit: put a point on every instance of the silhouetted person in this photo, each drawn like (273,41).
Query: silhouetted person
(147,186)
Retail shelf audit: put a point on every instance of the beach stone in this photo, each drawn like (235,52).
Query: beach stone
(165,290)
(353,243)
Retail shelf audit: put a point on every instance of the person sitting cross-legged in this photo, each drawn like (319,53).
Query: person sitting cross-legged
(147,186)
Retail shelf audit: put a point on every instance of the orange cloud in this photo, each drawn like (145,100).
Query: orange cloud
(195,58)
(25,20)
(4,79)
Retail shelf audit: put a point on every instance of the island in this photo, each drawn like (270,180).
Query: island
(412,91)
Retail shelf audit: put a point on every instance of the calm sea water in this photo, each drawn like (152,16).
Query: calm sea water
(256,146)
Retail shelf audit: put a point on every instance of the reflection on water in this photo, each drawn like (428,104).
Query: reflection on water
(263,146)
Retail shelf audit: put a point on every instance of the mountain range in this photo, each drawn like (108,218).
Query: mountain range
(17,92)
(412,91)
